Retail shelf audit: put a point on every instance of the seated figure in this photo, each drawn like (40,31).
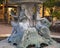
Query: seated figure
(18,28)
(42,27)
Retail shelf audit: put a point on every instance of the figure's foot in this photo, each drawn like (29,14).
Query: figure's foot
(9,41)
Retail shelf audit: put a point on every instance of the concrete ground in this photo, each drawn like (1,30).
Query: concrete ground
(5,30)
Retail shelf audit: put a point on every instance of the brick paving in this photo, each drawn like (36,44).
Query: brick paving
(55,33)
(5,29)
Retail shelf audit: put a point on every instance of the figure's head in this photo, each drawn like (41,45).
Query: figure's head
(23,7)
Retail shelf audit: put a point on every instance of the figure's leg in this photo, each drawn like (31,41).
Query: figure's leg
(10,37)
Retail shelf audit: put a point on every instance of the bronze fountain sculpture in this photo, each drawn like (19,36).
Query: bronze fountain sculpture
(29,32)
